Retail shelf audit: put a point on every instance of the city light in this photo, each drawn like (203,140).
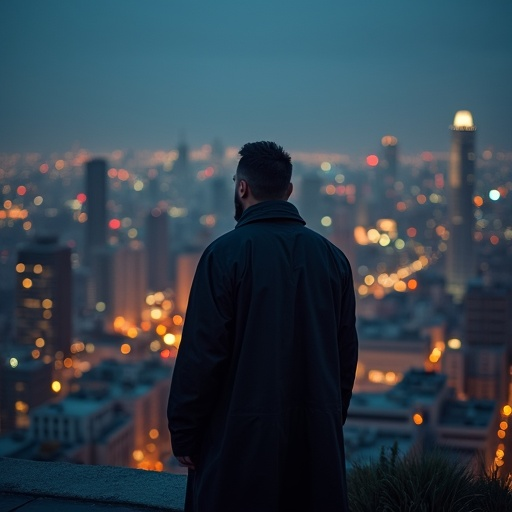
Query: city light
(418,419)
(13,362)
(169,339)
(372,160)
(138,455)
(56,386)
(454,344)
(494,195)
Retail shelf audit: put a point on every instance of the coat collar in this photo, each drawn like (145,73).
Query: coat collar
(270,210)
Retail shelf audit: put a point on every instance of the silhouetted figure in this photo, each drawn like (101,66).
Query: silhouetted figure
(264,373)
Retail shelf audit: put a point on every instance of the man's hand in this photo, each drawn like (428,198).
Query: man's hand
(186,461)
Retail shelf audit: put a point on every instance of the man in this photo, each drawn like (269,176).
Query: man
(265,370)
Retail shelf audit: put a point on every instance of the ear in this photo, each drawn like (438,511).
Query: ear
(289,191)
(243,189)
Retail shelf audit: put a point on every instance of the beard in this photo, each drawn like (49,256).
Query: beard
(239,208)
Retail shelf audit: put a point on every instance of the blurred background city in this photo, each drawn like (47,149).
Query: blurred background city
(120,124)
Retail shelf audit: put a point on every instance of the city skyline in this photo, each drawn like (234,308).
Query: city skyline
(123,75)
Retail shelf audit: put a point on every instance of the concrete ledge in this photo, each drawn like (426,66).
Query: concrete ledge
(103,484)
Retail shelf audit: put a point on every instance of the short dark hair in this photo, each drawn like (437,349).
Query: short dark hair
(267,168)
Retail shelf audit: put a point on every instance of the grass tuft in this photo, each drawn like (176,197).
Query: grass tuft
(425,482)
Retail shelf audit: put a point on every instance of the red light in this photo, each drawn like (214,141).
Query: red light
(372,160)
(427,156)
(43,168)
(81,198)
(21,190)
(165,353)
(411,232)
(114,224)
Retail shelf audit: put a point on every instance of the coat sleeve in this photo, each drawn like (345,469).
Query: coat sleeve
(202,357)
(347,343)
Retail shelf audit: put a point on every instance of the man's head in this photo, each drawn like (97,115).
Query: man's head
(263,173)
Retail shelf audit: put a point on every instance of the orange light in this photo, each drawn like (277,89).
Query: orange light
(165,353)
(68,362)
(478,201)
(118,322)
(330,190)
(145,326)
(161,329)
(412,284)
(153,433)
(177,319)
(125,348)
(422,199)
(503,425)
(418,419)
(501,434)
(138,455)
(507,410)
(132,332)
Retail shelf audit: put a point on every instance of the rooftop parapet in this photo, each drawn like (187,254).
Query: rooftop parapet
(94,484)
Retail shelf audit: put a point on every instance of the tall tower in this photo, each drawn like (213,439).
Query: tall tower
(461,173)
(96,192)
(43,296)
(157,244)
(129,283)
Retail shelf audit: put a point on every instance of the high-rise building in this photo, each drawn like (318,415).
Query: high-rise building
(488,335)
(96,203)
(461,174)
(25,383)
(157,244)
(44,296)
(389,158)
(129,283)
(185,270)
(311,200)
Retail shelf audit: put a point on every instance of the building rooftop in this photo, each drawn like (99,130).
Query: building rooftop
(471,413)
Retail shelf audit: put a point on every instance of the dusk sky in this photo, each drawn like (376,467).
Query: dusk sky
(328,75)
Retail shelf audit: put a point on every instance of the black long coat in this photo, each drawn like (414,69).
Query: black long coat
(265,370)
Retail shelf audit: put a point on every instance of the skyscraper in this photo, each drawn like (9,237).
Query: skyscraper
(96,192)
(129,283)
(43,296)
(157,244)
(459,256)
